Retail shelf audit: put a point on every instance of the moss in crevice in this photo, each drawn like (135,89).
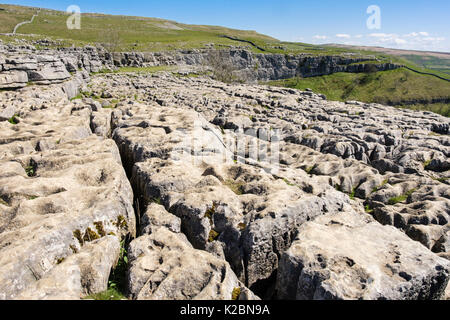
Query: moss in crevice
(110,294)
(3,202)
(77,234)
(427,163)
(368,208)
(242,226)
(213,235)
(31,168)
(73,248)
(385,181)
(235,294)
(288,182)
(156,200)
(90,235)
(210,212)
(310,170)
(236,187)
(100,229)
(117,283)
(121,222)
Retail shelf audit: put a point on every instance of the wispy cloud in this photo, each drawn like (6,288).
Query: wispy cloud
(417,40)
(343,36)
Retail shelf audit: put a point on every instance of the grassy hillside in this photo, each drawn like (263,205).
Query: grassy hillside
(143,34)
(133,33)
(399,87)
(126,33)
(429,62)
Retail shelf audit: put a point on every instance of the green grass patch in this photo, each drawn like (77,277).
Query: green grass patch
(77,97)
(368,209)
(442,180)
(126,33)
(427,163)
(117,280)
(110,294)
(401,198)
(353,193)
(153,69)
(13,120)
(385,181)
(437,64)
(288,182)
(235,186)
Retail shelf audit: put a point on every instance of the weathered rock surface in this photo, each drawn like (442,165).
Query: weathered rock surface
(61,188)
(250,212)
(350,256)
(165,266)
(329,143)
(225,177)
(156,216)
(19,65)
(79,275)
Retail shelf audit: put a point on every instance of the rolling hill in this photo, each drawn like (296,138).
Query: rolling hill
(404,88)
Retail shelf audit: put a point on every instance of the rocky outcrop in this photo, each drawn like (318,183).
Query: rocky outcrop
(350,256)
(218,191)
(62,188)
(79,275)
(392,159)
(164,266)
(254,66)
(22,65)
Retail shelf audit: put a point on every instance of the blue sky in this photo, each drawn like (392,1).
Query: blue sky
(413,24)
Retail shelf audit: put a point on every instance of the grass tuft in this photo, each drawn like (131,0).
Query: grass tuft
(400,198)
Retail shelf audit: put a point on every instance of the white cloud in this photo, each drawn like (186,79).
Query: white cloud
(417,34)
(400,41)
(412,34)
(414,41)
(382,35)
(411,41)
(343,35)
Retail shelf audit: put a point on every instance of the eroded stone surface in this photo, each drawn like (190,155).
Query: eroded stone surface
(350,256)
(61,188)
(165,266)
(199,194)
(394,160)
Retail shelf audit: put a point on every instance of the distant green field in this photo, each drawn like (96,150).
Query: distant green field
(399,87)
(430,62)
